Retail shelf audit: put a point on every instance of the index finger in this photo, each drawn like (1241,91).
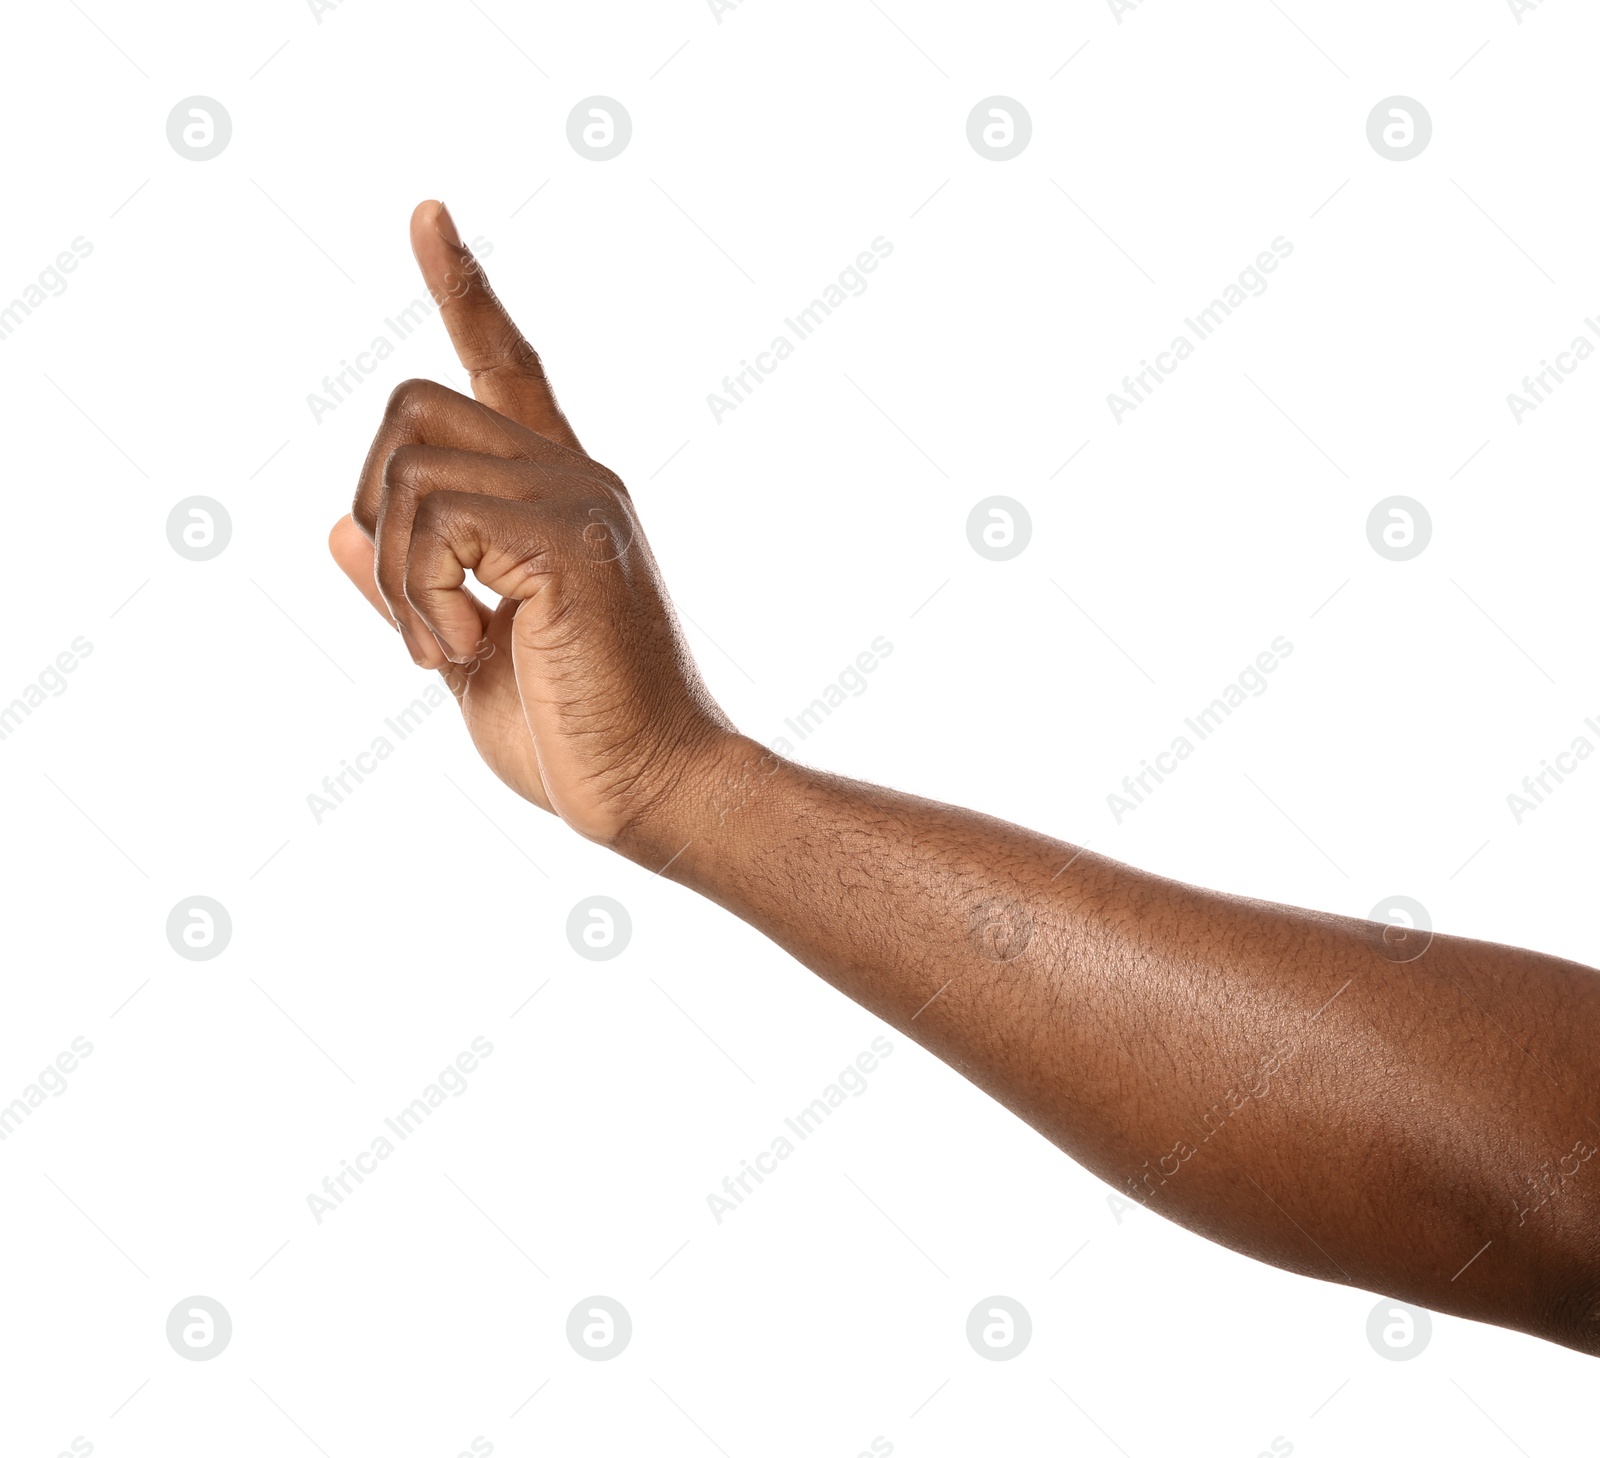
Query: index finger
(506,371)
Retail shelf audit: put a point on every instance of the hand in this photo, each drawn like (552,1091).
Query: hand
(578,688)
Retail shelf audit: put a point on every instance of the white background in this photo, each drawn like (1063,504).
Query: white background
(1169,148)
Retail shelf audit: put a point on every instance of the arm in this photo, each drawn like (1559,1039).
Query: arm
(1345,1100)
(1342,1099)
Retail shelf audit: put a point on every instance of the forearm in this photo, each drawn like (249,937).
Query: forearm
(1291,1084)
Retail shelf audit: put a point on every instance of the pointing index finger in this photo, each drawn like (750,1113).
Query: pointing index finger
(505,369)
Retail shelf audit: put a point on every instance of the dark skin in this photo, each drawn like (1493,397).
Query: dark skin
(1415,1116)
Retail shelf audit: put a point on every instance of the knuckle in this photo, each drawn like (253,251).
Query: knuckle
(527,357)
(436,514)
(404,465)
(610,482)
(409,399)
(598,529)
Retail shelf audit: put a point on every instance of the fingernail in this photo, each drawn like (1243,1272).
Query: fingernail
(447,226)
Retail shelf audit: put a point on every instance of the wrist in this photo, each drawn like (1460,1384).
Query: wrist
(711,785)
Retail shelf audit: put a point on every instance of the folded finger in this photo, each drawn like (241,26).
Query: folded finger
(413,473)
(421,412)
(515,548)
